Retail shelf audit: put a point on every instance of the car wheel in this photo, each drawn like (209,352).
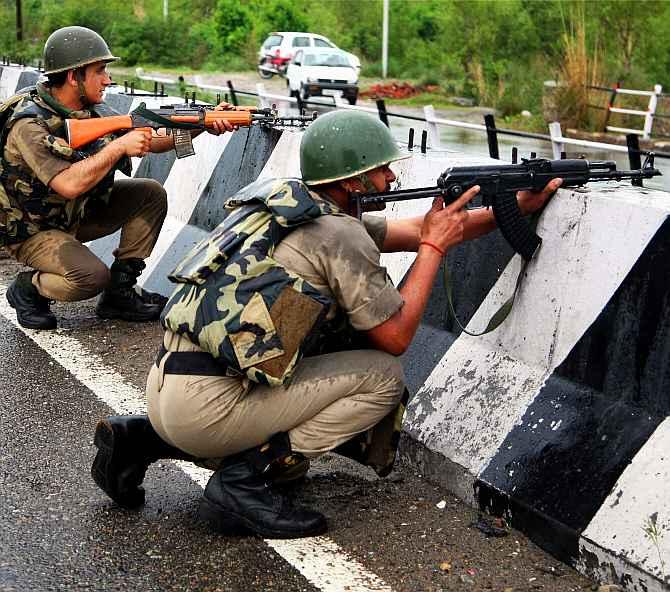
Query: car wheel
(352,100)
(304,94)
(265,74)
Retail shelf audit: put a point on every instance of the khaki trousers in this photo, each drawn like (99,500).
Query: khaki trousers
(330,399)
(67,270)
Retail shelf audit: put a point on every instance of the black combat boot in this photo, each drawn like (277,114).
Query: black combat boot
(120,300)
(32,309)
(243,496)
(127,445)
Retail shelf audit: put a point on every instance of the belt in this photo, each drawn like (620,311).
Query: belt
(190,363)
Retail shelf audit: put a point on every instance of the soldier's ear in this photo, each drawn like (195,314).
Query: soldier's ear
(348,185)
(71,79)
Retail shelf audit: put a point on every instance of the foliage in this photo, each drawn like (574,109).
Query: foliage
(497,52)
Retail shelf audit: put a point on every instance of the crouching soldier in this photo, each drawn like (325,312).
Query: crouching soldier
(282,335)
(54,198)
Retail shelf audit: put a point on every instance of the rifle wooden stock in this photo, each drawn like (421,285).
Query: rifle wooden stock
(82,131)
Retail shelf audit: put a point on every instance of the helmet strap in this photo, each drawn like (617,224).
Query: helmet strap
(354,205)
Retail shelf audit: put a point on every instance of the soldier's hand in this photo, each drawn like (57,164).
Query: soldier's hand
(531,201)
(222,125)
(136,142)
(444,226)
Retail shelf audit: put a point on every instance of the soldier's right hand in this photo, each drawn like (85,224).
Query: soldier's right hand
(444,226)
(136,142)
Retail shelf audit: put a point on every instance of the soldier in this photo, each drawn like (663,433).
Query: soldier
(54,198)
(283,333)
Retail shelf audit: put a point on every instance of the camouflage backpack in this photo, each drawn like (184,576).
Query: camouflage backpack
(7,213)
(235,301)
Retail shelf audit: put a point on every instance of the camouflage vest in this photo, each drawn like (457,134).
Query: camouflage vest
(27,206)
(235,301)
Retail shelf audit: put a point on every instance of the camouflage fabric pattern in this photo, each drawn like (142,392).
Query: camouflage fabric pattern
(239,304)
(27,206)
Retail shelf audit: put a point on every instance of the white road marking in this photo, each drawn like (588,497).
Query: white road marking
(318,559)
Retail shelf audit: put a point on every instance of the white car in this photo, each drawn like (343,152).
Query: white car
(322,71)
(280,47)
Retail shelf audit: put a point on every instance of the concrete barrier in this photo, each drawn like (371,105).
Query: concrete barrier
(559,419)
(14,78)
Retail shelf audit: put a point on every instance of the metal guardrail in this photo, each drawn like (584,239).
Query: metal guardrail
(648,115)
(555,136)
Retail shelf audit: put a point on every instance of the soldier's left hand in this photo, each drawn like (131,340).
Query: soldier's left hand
(531,201)
(221,126)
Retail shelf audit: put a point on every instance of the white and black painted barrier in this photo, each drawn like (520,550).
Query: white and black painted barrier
(559,419)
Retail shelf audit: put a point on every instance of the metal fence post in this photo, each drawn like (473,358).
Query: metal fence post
(556,134)
(633,143)
(610,104)
(233,96)
(433,129)
(262,101)
(651,111)
(381,107)
(492,136)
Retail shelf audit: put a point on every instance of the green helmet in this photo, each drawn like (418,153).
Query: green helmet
(343,144)
(72,47)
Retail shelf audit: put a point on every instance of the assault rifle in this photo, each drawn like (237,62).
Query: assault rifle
(499,185)
(174,118)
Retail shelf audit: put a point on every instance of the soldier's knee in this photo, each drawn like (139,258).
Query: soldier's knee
(90,281)
(392,378)
(156,194)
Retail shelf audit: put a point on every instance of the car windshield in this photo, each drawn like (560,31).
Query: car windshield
(272,41)
(326,59)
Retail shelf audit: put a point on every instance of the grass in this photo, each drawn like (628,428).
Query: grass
(437,100)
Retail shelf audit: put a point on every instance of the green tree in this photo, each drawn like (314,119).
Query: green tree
(233,24)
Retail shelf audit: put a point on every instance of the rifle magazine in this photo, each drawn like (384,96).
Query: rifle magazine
(183,143)
(514,227)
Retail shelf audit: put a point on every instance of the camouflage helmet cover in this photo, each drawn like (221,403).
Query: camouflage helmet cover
(343,144)
(73,47)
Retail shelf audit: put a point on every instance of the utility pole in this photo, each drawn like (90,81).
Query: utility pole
(165,10)
(385,38)
(19,22)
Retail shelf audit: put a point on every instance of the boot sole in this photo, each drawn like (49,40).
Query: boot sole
(103,465)
(226,522)
(10,298)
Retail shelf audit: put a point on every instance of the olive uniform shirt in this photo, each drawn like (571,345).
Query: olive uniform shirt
(27,145)
(339,256)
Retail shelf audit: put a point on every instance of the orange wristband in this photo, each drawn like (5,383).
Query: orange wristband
(432,246)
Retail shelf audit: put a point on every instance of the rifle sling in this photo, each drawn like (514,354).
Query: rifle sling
(502,313)
(142,112)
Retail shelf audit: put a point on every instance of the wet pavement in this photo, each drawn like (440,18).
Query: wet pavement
(59,532)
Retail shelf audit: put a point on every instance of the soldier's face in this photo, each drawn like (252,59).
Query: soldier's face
(382,177)
(96,80)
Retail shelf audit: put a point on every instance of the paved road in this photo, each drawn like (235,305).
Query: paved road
(60,533)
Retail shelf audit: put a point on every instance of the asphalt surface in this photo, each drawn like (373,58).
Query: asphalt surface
(59,532)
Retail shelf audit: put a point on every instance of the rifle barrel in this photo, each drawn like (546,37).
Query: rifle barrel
(400,195)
